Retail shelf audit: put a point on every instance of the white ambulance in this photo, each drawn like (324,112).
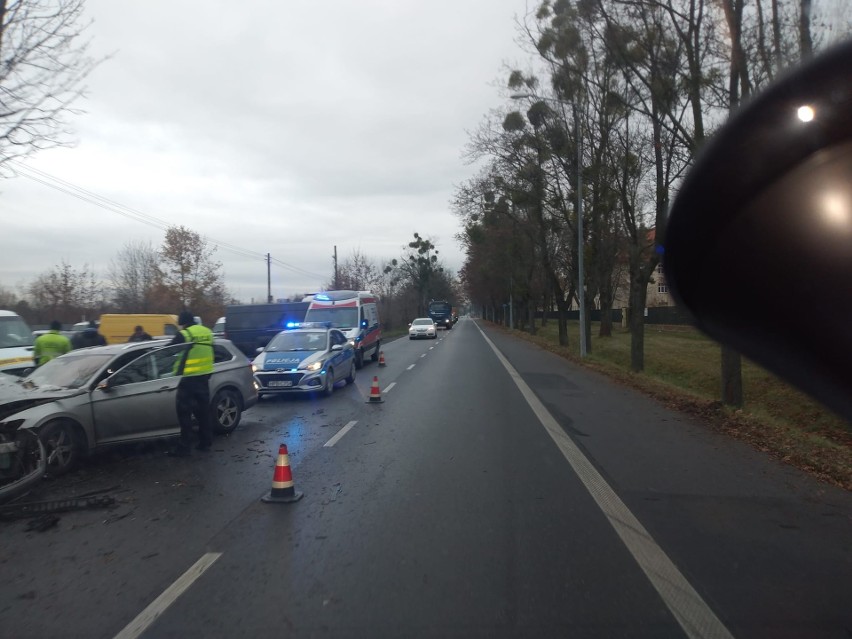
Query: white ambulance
(356,313)
(16,344)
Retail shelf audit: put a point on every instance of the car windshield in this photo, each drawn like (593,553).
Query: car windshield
(69,371)
(340,317)
(14,332)
(439,307)
(298,341)
(419,322)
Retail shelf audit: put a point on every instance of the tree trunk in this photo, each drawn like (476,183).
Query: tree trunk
(732,379)
(806,45)
(638,296)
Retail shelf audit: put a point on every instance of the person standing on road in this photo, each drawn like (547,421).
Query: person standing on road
(88,337)
(51,344)
(194,389)
(139,335)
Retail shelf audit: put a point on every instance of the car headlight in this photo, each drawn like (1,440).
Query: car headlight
(351,342)
(313,367)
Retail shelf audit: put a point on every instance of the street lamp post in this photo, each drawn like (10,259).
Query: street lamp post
(581,277)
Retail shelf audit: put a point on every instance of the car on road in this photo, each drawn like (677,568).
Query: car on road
(104,395)
(422,327)
(308,358)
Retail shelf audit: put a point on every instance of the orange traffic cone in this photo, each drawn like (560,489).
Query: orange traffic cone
(375,392)
(382,358)
(282,490)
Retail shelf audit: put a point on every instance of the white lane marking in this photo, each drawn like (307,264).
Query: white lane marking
(410,367)
(331,442)
(170,594)
(431,347)
(691,611)
(389,386)
(423,355)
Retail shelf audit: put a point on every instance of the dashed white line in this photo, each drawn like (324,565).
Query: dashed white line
(410,367)
(331,442)
(170,594)
(389,386)
(423,355)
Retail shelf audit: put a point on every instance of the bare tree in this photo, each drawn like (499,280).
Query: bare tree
(357,272)
(189,277)
(43,64)
(66,294)
(133,274)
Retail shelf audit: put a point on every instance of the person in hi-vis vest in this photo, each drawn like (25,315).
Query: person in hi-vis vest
(194,389)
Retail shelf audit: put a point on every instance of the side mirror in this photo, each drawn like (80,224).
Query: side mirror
(337,347)
(758,246)
(259,350)
(104,386)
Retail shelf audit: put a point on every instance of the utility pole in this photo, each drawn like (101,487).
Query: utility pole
(268,278)
(336,280)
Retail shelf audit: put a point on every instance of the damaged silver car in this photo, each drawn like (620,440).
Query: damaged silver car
(96,397)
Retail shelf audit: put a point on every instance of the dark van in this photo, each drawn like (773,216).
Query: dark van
(251,326)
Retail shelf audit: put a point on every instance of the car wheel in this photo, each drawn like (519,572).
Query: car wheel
(350,379)
(375,355)
(62,447)
(411,337)
(227,407)
(329,382)
(359,359)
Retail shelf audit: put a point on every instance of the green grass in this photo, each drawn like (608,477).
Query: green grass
(682,368)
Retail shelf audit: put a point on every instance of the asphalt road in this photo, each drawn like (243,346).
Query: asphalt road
(498,491)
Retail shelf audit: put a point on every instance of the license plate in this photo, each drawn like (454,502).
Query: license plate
(279,384)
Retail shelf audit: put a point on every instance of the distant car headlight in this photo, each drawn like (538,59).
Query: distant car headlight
(313,367)
(254,368)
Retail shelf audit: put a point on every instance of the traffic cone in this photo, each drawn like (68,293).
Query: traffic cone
(382,358)
(283,491)
(375,393)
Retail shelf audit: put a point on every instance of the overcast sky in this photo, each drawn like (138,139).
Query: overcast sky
(273,126)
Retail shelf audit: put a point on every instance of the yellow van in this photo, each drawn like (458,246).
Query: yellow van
(118,327)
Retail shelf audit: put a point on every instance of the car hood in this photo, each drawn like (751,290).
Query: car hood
(15,397)
(287,359)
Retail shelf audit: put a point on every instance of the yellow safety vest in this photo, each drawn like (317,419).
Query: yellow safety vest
(50,345)
(199,361)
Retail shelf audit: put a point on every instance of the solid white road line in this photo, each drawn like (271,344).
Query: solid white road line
(331,442)
(389,386)
(692,613)
(410,367)
(161,603)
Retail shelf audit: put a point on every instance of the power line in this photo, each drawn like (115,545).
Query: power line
(90,197)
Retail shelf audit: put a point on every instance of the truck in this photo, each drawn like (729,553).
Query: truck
(356,313)
(251,326)
(441,313)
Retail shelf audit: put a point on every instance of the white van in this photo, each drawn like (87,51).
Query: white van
(16,344)
(356,313)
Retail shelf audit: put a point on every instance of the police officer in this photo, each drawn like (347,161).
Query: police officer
(51,344)
(194,389)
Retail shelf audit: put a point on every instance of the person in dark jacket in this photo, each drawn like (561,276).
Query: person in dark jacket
(139,335)
(88,337)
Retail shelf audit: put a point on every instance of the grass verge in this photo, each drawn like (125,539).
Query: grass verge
(682,372)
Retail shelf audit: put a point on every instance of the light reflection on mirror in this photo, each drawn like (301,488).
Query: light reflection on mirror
(805,113)
(836,210)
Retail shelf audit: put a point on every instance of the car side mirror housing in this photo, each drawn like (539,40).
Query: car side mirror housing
(337,347)
(758,247)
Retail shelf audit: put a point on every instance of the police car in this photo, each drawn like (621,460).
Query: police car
(305,358)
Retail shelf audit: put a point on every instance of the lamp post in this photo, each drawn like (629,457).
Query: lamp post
(581,288)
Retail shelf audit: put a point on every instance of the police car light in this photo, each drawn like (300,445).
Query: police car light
(321,296)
